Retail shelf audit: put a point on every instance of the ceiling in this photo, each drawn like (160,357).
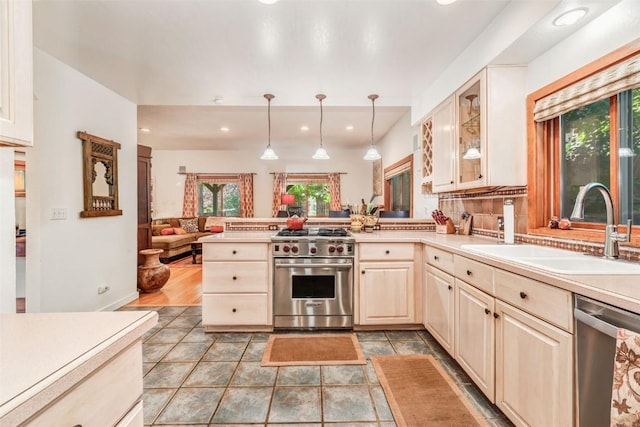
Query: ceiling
(194,66)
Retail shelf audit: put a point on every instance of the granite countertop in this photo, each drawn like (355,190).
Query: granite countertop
(44,354)
(619,290)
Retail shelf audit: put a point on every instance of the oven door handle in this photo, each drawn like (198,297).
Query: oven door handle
(336,266)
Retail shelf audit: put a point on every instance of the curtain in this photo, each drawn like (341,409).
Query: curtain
(334,191)
(604,84)
(190,200)
(279,188)
(245,186)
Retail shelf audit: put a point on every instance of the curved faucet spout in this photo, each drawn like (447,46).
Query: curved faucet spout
(578,208)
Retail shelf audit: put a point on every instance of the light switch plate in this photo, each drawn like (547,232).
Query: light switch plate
(58,213)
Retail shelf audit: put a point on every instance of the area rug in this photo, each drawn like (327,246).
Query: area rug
(421,393)
(317,349)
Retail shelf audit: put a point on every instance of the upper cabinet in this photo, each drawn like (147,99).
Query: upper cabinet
(479,134)
(16,73)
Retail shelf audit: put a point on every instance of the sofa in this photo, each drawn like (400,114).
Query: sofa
(175,235)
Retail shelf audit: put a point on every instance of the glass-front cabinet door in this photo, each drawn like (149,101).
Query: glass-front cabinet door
(471,121)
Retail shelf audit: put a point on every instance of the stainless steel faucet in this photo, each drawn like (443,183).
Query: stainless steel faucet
(611,235)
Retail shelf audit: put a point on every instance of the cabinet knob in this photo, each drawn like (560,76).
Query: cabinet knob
(234,252)
(487,311)
(496,315)
(233,310)
(523,295)
(469,273)
(235,278)
(449,287)
(435,257)
(480,176)
(387,252)
(362,271)
(450,182)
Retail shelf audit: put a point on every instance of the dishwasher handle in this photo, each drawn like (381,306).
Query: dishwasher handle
(594,322)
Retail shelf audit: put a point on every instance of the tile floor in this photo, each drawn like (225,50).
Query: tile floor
(204,379)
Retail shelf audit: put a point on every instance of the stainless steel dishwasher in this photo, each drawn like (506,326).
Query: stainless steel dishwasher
(596,329)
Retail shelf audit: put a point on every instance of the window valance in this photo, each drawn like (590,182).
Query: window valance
(617,78)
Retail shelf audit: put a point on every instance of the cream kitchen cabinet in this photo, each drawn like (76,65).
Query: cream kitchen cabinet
(444,146)
(439,306)
(16,73)
(534,369)
(386,284)
(236,286)
(488,130)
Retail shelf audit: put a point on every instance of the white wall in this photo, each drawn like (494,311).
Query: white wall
(68,259)
(613,29)
(168,186)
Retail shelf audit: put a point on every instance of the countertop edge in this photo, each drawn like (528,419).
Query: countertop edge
(28,403)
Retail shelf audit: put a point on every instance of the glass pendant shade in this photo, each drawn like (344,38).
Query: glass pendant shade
(372,152)
(269,154)
(472,153)
(321,153)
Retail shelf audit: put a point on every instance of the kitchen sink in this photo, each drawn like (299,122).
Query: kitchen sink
(556,260)
(517,251)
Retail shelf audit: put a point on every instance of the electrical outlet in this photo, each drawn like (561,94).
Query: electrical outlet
(58,213)
(273,227)
(376,227)
(103,289)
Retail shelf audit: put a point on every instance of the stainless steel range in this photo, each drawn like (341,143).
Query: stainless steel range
(313,278)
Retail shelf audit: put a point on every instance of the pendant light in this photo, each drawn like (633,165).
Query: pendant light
(269,154)
(372,153)
(321,153)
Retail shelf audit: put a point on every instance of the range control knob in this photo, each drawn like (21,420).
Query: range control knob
(340,249)
(332,249)
(313,249)
(285,249)
(294,249)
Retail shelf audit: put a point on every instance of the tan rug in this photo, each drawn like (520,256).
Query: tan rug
(320,349)
(421,393)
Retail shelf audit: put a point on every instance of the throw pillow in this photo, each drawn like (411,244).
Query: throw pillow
(167,231)
(189,225)
(216,229)
(157,229)
(178,230)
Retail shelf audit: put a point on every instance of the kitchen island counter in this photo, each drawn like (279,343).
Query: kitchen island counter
(44,355)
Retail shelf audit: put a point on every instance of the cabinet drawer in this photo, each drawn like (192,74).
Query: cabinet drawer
(234,309)
(475,273)
(440,259)
(251,277)
(385,251)
(545,301)
(234,251)
(103,398)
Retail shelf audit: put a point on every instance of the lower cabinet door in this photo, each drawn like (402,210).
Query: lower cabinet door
(534,376)
(235,309)
(440,305)
(387,293)
(475,336)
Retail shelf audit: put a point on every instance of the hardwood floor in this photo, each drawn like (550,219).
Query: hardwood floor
(184,288)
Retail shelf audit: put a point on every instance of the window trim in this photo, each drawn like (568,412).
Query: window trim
(540,171)
(394,169)
(306,179)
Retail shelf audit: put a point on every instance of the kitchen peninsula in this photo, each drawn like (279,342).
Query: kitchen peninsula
(72,368)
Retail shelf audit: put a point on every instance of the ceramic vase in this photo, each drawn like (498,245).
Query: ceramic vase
(152,275)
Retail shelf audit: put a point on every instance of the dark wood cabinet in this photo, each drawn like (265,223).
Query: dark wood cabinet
(144,200)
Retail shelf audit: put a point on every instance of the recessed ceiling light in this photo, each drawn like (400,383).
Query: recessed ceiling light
(224,129)
(349,127)
(304,128)
(570,17)
(445,2)
(267,1)
(145,130)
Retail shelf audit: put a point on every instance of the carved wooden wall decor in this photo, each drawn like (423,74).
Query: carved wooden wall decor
(100,176)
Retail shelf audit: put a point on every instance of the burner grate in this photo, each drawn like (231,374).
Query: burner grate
(285,232)
(333,232)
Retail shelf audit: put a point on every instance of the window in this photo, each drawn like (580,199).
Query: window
(586,128)
(218,198)
(312,196)
(398,186)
